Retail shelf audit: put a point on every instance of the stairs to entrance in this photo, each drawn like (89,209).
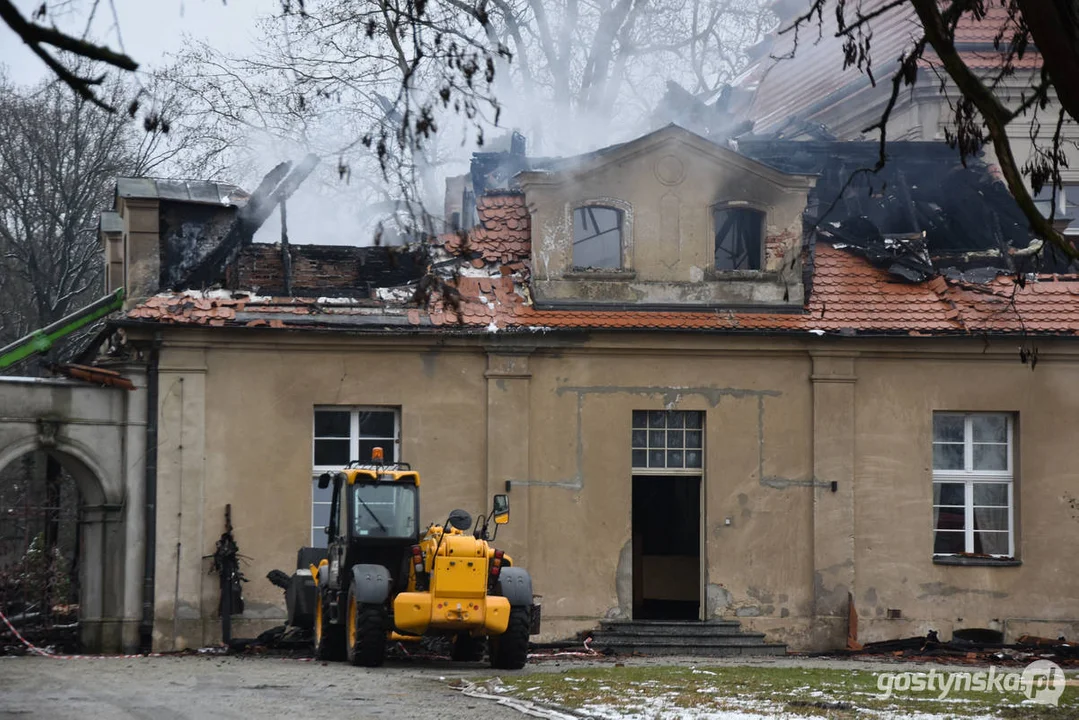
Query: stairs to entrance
(714,638)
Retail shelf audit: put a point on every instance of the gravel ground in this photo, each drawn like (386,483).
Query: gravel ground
(187,687)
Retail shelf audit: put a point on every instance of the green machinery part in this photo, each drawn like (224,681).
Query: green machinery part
(41,340)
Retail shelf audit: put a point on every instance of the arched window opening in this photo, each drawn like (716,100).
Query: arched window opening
(739,234)
(597,237)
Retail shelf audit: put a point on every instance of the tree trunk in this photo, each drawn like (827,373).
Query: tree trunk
(1054,26)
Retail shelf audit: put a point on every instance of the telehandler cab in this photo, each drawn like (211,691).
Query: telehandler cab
(382,580)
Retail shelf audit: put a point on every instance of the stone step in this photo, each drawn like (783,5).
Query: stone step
(700,650)
(608,639)
(674,623)
(714,638)
(710,629)
(724,634)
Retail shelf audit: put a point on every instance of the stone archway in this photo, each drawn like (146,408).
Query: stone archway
(99,518)
(98,435)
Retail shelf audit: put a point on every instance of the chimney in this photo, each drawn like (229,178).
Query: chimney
(138,208)
(518,144)
(111,232)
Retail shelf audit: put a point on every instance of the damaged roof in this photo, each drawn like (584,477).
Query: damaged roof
(850,297)
(922,214)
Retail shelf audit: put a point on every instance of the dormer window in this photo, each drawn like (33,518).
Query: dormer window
(597,237)
(739,238)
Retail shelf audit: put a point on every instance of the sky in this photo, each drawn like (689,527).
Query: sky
(148,28)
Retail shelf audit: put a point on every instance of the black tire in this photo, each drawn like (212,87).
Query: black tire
(468,648)
(509,651)
(365,634)
(329,638)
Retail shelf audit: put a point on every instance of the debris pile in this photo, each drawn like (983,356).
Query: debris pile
(973,649)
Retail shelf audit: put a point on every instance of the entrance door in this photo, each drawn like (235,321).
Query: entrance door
(666,547)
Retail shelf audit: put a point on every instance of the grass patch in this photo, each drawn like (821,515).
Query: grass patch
(689,692)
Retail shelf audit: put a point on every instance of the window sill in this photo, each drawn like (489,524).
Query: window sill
(599,274)
(721,275)
(975,561)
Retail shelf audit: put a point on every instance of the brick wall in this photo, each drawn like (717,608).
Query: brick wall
(325,270)
(776,248)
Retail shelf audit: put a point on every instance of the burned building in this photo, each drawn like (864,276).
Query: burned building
(717,381)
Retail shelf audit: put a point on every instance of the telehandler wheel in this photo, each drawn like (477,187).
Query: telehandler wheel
(468,648)
(509,651)
(329,638)
(365,635)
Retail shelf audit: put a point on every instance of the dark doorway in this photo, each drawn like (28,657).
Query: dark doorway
(666,547)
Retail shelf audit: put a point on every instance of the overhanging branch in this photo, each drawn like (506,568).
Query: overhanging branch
(36,36)
(993,112)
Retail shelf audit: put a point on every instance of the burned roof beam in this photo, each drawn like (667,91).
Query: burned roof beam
(286,254)
(278,185)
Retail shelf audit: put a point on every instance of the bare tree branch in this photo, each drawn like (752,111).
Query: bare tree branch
(995,114)
(36,36)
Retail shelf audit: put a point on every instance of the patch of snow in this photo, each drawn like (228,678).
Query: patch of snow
(394,294)
(220,294)
(493,327)
(611,712)
(336,300)
(483,272)
(206,294)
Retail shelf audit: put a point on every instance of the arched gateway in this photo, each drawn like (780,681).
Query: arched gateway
(98,434)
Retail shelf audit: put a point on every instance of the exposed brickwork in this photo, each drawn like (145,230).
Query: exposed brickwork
(324,270)
(260,267)
(777,246)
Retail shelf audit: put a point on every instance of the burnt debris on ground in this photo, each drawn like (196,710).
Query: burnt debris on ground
(975,648)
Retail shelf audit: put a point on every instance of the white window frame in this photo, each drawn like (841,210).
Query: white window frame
(970,477)
(318,537)
(1065,207)
(686,471)
(1070,206)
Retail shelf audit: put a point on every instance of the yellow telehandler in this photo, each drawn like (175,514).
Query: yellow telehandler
(382,579)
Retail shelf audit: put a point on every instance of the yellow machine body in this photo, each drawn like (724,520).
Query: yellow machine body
(458,566)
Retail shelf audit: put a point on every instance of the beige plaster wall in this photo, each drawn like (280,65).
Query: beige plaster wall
(236,427)
(757,415)
(893,523)
(784,419)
